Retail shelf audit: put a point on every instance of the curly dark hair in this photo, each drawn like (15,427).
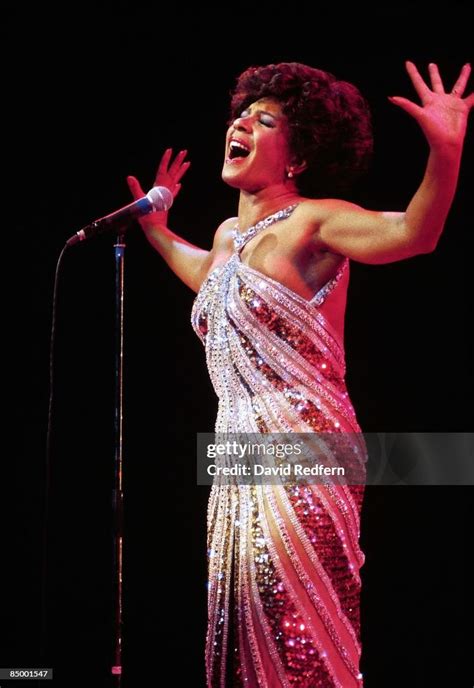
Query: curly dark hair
(329,122)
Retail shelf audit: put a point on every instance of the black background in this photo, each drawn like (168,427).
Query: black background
(94,95)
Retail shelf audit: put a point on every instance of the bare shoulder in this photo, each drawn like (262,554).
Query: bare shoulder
(223,234)
(369,236)
(317,210)
(314,214)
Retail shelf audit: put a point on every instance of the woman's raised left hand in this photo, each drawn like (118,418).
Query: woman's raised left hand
(442,116)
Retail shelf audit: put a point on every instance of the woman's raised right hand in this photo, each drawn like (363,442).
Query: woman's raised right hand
(167,175)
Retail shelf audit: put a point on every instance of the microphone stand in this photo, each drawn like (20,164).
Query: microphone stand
(117,500)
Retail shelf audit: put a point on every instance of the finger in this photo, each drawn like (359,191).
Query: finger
(420,87)
(469,100)
(175,165)
(135,188)
(184,168)
(176,190)
(164,162)
(436,81)
(172,176)
(460,85)
(412,108)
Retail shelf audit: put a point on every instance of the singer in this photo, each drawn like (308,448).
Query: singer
(284,562)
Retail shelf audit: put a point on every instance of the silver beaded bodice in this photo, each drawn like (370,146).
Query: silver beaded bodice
(274,359)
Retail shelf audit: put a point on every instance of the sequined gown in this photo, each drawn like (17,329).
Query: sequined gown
(284,585)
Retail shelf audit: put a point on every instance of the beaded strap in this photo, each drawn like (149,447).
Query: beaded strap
(240,239)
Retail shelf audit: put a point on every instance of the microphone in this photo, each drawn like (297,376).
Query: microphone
(158,198)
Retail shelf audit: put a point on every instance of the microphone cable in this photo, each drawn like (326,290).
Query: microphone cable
(46,507)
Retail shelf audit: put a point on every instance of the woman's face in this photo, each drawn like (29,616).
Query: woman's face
(257,152)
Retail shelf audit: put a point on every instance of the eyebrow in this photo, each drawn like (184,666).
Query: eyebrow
(264,112)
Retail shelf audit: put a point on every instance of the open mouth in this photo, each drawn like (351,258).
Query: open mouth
(238,150)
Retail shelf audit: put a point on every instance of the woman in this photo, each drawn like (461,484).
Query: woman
(284,561)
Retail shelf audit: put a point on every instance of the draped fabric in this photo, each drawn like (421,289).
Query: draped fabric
(284,560)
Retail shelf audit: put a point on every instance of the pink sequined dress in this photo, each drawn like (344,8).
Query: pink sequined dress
(284,584)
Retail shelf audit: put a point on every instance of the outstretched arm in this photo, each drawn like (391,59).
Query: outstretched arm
(383,237)
(190,263)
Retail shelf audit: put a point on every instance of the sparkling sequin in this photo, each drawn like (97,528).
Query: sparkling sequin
(302,663)
(329,545)
(289,333)
(308,411)
(283,597)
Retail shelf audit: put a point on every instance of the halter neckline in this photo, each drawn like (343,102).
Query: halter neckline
(240,239)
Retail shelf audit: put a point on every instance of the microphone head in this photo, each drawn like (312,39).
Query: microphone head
(160,197)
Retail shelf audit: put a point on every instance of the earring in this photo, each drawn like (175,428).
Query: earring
(290,173)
